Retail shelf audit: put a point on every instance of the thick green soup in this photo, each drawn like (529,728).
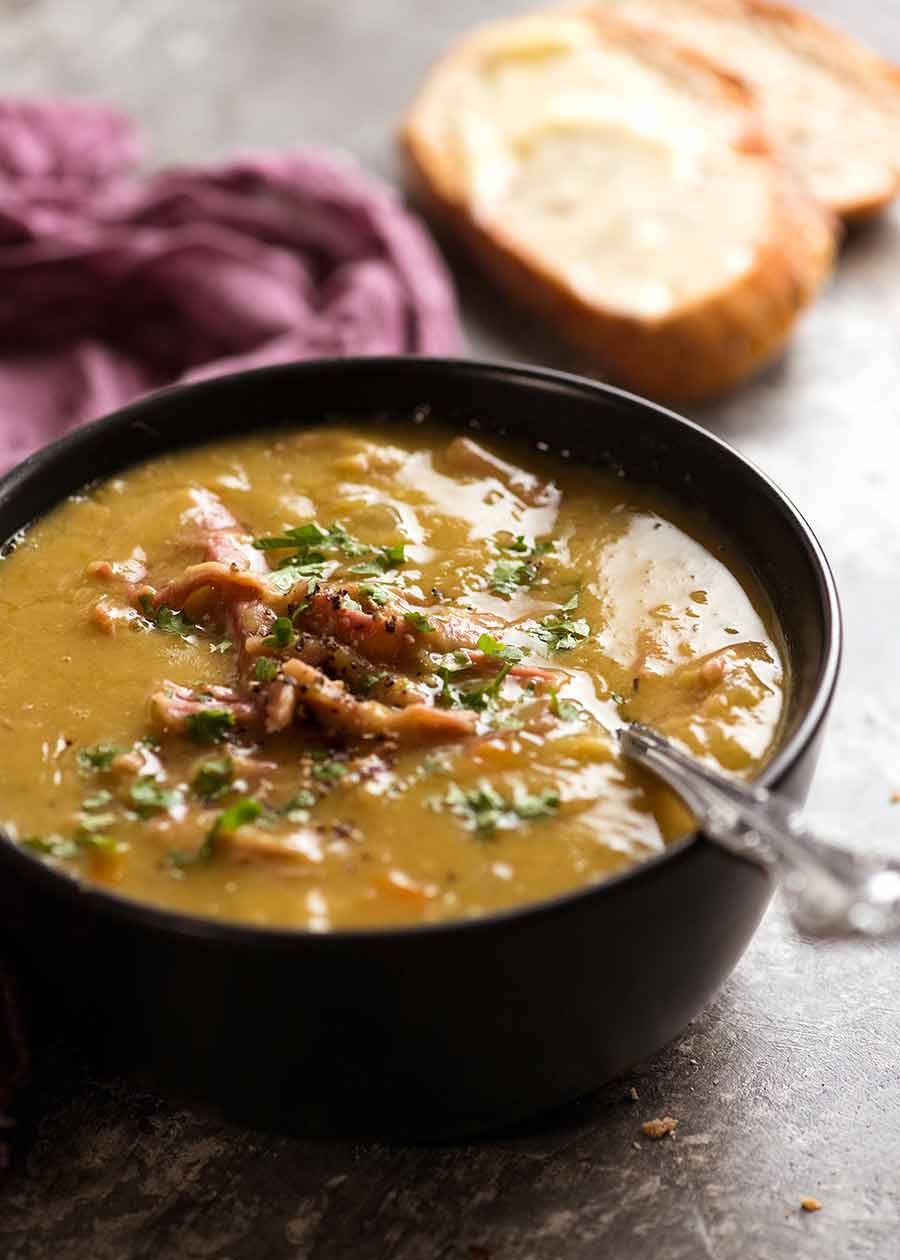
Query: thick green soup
(367,674)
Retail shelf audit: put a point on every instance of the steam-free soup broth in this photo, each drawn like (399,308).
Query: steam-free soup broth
(366,674)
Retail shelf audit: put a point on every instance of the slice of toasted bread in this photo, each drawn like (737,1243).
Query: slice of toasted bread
(830,102)
(620,187)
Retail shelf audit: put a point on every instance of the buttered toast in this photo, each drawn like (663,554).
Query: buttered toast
(832,104)
(622,188)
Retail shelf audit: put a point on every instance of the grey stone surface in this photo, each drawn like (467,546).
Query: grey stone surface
(788,1084)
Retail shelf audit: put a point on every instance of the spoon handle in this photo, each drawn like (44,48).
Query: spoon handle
(830,891)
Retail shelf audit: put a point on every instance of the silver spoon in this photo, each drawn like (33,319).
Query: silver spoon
(830,891)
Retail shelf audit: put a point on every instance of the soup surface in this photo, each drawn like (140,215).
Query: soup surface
(367,674)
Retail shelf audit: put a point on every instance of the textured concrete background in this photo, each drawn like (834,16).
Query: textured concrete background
(788,1083)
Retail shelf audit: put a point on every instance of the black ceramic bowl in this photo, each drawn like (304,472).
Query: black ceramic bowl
(454,1027)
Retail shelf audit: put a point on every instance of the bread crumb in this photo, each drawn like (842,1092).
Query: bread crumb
(659,1127)
(633,1095)
(809,1204)
(636,1145)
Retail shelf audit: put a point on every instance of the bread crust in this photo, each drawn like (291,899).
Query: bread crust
(867,66)
(697,351)
(848,57)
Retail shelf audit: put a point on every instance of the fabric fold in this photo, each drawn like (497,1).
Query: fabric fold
(113,283)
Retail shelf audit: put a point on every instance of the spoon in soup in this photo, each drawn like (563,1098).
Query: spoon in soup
(830,891)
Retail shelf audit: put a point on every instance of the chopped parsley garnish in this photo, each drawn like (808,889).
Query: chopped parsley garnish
(329,771)
(98,758)
(244,811)
(377,594)
(287,577)
(492,647)
(92,832)
(560,632)
(281,635)
(522,570)
(166,619)
(95,840)
(94,824)
(510,721)
(307,560)
(336,538)
(483,697)
(311,545)
(480,807)
(172,622)
(447,697)
(299,538)
(537,805)
(454,663)
(418,621)
(565,709)
(302,801)
(52,846)
(149,797)
(484,809)
(214,778)
(209,726)
(97,801)
(85,836)
(266,669)
(395,554)
(477,698)
(473,698)
(508,574)
(382,560)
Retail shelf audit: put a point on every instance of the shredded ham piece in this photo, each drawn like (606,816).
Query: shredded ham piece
(387,637)
(300,849)
(228,582)
(355,669)
(281,706)
(332,639)
(107,617)
(216,529)
(171,707)
(330,703)
(536,673)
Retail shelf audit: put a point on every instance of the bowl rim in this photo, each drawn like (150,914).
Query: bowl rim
(233,932)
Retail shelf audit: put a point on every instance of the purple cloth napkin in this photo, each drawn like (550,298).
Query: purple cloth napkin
(112,284)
